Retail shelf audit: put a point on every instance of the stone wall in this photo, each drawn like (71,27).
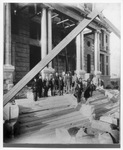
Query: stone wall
(20,45)
(106,80)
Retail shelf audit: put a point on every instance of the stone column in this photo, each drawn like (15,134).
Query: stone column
(49,15)
(43,36)
(97,52)
(8,34)
(49,33)
(82,71)
(46,41)
(80,55)
(97,56)
(8,68)
(82,51)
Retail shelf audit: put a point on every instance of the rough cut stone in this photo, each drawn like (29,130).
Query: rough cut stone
(88,111)
(100,125)
(108,119)
(105,138)
(62,136)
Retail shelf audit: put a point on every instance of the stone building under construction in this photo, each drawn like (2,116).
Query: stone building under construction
(32,30)
(48,38)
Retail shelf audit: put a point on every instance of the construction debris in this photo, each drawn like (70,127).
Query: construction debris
(70,124)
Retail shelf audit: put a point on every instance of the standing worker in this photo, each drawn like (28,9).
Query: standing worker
(79,89)
(88,90)
(40,85)
(35,89)
(61,85)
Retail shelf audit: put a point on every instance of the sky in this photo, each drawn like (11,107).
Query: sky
(113,13)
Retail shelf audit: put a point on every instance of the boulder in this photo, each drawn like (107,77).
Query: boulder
(100,125)
(63,136)
(87,111)
(108,119)
(81,133)
(11,112)
(105,138)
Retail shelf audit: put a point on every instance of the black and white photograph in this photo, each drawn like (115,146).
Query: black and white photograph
(61,74)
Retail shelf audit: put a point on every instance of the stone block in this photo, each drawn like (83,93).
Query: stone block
(22,54)
(108,119)
(62,135)
(87,111)
(81,133)
(105,138)
(107,93)
(100,125)
(11,112)
(21,59)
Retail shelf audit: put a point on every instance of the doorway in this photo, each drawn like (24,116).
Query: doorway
(88,63)
(35,55)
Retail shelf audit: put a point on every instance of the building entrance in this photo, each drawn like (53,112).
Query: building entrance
(88,63)
(35,55)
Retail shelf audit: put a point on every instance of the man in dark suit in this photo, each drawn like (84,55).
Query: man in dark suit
(79,89)
(61,85)
(40,85)
(35,88)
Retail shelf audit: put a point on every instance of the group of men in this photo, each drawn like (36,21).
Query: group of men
(59,84)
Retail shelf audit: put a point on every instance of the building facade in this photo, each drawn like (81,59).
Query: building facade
(32,30)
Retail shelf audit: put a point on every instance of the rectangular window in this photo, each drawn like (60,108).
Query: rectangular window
(107,72)
(102,64)
(102,38)
(106,39)
(106,59)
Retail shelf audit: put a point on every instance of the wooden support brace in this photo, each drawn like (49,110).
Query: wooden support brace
(7,97)
(110,25)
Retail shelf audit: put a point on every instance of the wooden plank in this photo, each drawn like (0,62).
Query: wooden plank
(110,25)
(7,97)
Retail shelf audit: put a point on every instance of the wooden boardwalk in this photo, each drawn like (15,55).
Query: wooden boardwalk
(38,120)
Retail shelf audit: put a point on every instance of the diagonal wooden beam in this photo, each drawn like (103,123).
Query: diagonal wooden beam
(110,25)
(7,97)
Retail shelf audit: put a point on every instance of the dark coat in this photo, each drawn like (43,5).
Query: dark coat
(88,89)
(35,86)
(61,84)
(78,91)
(79,88)
(52,84)
(40,83)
